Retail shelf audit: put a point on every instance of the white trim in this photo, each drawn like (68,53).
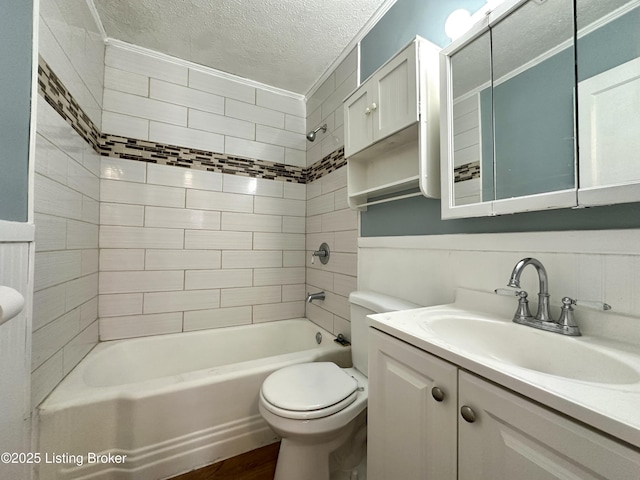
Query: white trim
(16,231)
(615,242)
(33,120)
(97,19)
(355,42)
(201,68)
(608,18)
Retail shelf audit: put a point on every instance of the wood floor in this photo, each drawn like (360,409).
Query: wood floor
(258,464)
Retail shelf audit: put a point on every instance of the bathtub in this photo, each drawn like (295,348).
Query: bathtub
(151,408)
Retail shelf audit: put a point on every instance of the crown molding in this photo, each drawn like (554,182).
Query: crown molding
(96,18)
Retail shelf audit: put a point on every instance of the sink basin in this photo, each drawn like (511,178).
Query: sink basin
(526,347)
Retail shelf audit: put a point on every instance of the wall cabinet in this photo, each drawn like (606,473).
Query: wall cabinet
(392,127)
(479,431)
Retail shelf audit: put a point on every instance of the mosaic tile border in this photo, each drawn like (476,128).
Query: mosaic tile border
(53,91)
(468,171)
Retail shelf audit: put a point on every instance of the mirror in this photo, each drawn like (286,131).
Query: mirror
(608,58)
(510,140)
(472,122)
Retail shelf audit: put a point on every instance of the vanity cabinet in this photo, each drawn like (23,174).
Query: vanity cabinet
(479,431)
(392,127)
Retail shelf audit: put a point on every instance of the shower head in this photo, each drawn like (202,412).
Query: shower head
(311,136)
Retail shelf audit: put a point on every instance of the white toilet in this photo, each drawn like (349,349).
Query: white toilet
(318,408)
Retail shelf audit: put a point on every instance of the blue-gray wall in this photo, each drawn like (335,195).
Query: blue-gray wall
(421,216)
(404,20)
(16,25)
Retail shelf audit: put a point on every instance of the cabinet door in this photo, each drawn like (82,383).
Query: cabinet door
(515,438)
(358,121)
(395,94)
(411,436)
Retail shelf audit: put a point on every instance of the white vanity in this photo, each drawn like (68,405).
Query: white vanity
(461,392)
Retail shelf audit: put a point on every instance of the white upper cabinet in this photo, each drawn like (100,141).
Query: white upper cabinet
(392,128)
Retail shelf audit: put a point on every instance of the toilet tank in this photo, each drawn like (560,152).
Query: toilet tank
(365,303)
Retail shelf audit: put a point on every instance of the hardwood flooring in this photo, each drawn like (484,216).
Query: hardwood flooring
(259,464)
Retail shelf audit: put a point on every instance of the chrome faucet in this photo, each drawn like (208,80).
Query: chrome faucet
(566,324)
(315,296)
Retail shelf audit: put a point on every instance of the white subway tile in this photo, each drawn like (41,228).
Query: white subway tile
(320,95)
(90,261)
(181,177)
(122,259)
(81,235)
(125,125)
(52,268)
(313,240)
(249,222)
(225,202)
(51,233)
(52,337)
(278,276)
(278,311)
(221,317)
(185,96)
(340,220)
(140,237)
(279,206)
(252,186)
(147,108)
(296,158)
(90,210)
(81,290)
(294,293)
(256,150)
(320,279)
(113,328)
(120,305)
(345,263)
(182,259)
(88,313)
(211,122)
(56,199)
(341,199)
(48,304)
(146,65)
(124,81)
(50,161)
(251,259)
(294,124)
(319,316)
(293,258)
(335,180)
(82,180)
(236,297)
(281,103)
(332,142)
(255,114)
(214,240)
(203,279)
(314,189)
(314,224)
(121,214)
(344,284)
(278,241)
(45,378)
(79,346)
(334,101)
(135,282)
(221,86)
(185,137)
(181,218)
(121,169)
(293,224)
(295,191)
(284,138)
(141,194)
(346,241)
(322,204)
(347,67)
(181,301)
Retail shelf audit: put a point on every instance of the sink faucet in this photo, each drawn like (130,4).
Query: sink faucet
(543,320)
(315,296)
(544,314)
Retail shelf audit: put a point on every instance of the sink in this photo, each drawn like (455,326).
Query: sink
(525,347)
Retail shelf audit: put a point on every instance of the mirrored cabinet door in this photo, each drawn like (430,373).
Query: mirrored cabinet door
(608,59)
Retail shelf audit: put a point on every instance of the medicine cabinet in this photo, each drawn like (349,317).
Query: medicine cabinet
(392,129)
(515,136)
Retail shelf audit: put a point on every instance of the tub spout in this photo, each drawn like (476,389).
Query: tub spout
(315,296)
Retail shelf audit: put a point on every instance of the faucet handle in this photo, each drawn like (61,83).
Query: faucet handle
(566,301)
(522,313)
(511,293)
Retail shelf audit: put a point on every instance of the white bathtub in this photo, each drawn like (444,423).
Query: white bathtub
(170,403)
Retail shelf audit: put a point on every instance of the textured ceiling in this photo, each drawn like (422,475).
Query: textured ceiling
(283,43)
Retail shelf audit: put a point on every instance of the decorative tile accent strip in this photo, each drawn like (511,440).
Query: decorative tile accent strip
(468,171)
(54,92)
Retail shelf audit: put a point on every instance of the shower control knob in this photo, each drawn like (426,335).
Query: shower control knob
(437,394)
(468,414)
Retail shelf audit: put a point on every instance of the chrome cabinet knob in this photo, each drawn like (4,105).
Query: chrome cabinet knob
(437,394)
(468,414)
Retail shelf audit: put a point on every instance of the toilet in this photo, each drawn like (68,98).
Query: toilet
(319,409)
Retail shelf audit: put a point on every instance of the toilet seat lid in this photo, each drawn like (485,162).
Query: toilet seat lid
(308,386)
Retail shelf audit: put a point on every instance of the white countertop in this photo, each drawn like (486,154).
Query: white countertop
(610,407)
